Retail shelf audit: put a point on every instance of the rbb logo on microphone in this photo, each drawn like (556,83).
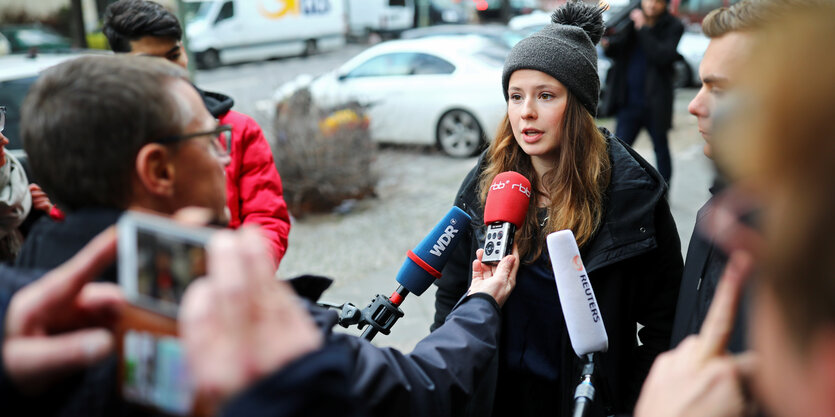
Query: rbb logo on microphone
(500,185)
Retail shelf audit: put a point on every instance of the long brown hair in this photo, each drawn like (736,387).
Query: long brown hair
(575,185)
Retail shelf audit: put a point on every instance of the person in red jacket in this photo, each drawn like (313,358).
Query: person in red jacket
(253,187)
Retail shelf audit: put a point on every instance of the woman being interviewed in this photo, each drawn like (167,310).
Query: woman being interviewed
(586,180)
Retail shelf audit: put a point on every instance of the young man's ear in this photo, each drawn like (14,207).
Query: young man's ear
(155,169)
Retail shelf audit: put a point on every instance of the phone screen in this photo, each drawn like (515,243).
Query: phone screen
(158,258)
(166,265)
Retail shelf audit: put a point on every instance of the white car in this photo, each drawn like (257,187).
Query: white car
(440,90)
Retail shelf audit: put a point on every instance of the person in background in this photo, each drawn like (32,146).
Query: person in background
(641,82)
(254,192)
(584,179)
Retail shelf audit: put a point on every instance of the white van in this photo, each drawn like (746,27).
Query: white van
(227,31)
(380,16)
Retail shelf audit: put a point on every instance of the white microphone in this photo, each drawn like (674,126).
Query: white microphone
(582,314)
(579,305)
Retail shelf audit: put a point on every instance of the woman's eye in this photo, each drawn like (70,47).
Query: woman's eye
(546,96)
(516,97)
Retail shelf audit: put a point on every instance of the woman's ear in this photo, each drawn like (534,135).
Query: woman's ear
(155,169)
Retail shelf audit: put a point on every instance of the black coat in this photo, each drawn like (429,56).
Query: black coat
(634,264)
(703,268)
(659,43)
(51,243)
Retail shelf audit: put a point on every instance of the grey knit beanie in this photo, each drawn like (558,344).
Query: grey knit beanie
(564,50)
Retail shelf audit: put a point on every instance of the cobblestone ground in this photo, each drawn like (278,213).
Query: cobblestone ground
(364,248)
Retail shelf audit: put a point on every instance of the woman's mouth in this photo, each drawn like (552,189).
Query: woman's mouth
(531,135)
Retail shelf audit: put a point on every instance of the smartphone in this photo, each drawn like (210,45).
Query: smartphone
(158,259)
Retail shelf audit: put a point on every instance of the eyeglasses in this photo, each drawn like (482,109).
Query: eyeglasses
(222,133)
(2,118)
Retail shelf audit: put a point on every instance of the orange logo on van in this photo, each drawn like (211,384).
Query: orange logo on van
(276,9)
(578,263)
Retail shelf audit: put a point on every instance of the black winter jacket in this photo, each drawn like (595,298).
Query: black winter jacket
(703,268)
(659,44)
(634,265)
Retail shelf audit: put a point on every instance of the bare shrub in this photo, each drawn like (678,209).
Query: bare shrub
(324,155)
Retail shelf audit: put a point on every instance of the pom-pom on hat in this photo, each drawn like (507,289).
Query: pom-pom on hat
(564,50)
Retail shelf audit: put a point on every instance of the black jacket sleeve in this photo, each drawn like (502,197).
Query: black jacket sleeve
(11,399)
(440,375)
(660,46)
(315,385)
(619,41)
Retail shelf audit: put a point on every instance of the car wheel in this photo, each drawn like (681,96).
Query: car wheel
(682,74)
(309,47)
(209,59)
(459,134)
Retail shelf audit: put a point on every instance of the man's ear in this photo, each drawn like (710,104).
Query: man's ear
(155,169)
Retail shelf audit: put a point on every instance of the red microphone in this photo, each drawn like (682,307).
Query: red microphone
(504,212)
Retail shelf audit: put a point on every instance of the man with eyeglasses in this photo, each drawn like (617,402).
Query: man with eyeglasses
(254,191)
(100,145)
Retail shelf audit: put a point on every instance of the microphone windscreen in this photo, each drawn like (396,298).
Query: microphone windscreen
(507,199)
(579,305)
(423,265)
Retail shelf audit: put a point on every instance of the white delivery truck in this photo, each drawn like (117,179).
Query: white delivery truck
(227,31)
(385,17)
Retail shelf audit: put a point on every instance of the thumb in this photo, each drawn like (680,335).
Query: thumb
(33,363)
(505,268)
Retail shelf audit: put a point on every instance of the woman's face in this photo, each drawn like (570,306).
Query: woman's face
(535,109)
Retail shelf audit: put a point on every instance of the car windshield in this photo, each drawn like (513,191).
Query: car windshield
(37,37)
(197,10)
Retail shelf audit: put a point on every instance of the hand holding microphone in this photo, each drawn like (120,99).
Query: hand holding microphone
(495,280)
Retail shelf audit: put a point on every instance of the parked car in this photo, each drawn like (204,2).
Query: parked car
(439,90)
(500,34)
(22,38)
(17,73)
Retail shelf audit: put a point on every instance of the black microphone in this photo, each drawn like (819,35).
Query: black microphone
(581,311)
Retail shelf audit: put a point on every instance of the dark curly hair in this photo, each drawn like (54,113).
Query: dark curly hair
(129,20)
